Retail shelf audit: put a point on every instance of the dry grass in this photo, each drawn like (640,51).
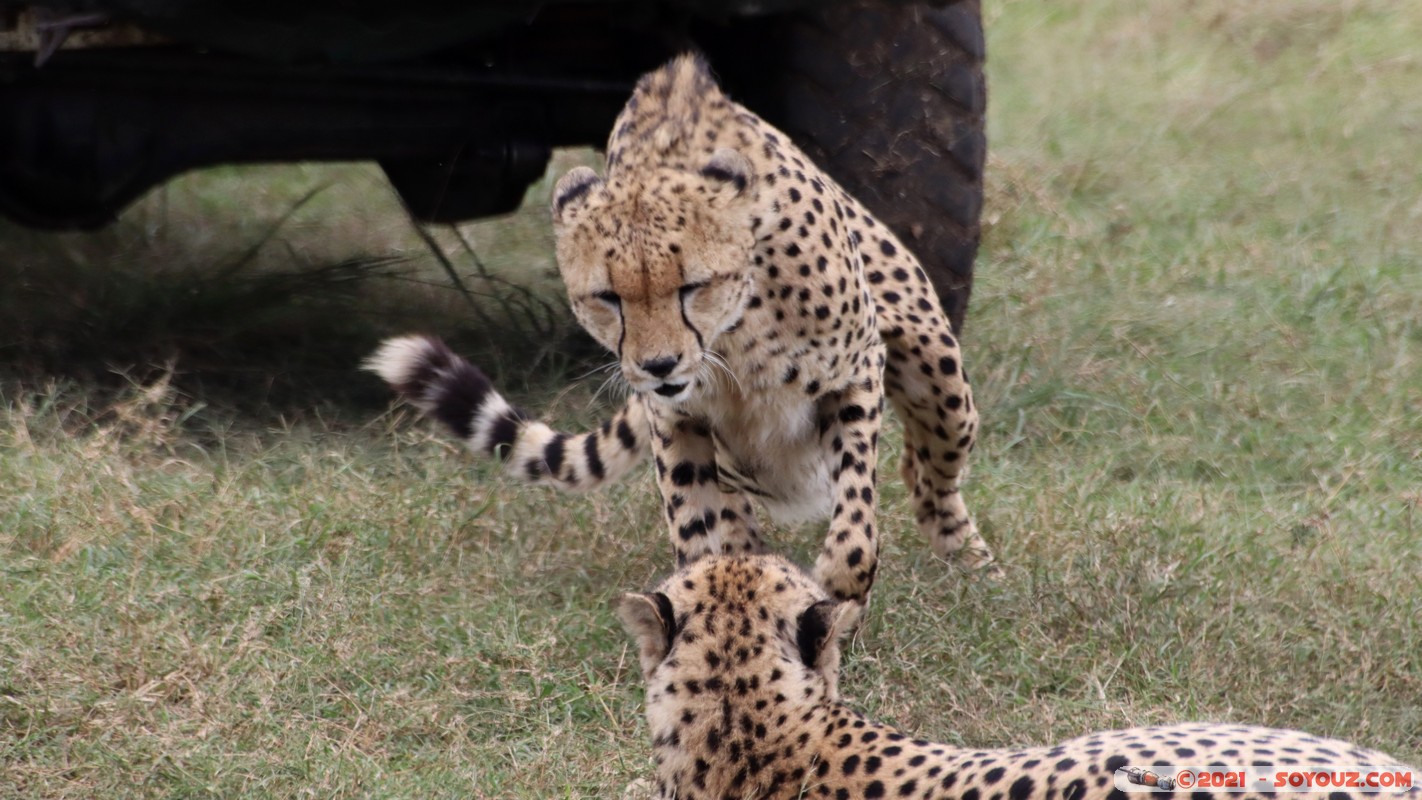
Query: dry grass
(1196,340)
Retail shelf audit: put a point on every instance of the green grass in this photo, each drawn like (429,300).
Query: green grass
(1197,342)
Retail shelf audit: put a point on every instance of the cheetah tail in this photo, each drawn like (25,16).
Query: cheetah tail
(434,379)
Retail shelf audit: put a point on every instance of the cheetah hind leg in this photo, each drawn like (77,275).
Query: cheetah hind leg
(939,508)
(931,396)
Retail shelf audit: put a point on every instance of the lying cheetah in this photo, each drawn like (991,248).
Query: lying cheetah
(741,659)
(759,314)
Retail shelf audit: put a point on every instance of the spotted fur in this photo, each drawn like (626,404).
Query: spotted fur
(761,315)
(740,656)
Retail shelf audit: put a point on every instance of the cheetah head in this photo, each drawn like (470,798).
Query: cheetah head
(735,650)
(657,265)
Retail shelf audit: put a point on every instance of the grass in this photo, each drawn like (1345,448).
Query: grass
(1195,337)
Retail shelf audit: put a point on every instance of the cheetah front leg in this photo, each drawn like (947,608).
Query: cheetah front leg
(701,517)
(851,422)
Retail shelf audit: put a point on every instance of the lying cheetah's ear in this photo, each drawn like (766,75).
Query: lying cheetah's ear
(729,173)
(570,196)
(652,623)
(819,630)
(821,627)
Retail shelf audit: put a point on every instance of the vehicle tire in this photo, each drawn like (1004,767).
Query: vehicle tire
(889,99)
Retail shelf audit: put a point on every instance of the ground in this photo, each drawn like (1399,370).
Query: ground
(1197,330)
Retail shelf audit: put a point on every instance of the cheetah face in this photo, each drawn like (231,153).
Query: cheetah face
(657,266)
(755,620)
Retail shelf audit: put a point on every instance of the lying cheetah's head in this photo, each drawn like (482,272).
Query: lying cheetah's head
(657,265)
(750,633)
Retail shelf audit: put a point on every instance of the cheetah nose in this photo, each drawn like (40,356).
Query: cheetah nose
(660,367)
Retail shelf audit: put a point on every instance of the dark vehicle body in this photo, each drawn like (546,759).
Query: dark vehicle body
(461,103)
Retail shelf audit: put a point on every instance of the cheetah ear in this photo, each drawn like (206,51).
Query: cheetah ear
(570,195)
(729,172)
(652,623)
(820,628)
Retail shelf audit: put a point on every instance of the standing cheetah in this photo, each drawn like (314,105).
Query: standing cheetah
(760,314)
(741,659)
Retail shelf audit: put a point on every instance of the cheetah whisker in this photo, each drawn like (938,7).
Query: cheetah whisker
(615,380)
(718,361)
(595,370)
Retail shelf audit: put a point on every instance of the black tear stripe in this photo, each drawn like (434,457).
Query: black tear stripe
(621,332)
(700,344)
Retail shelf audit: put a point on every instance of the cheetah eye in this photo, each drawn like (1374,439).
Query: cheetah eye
(690,288)
(608,296)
